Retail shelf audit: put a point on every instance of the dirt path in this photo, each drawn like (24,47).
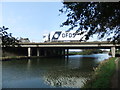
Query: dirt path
(115,82)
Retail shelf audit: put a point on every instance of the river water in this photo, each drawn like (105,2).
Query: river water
(66,72)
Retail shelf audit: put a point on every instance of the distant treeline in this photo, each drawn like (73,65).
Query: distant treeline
(87,52)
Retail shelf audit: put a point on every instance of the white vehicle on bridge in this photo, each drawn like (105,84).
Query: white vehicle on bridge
(64,36)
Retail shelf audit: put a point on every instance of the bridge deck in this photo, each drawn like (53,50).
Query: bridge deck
(71,45)
(64,43)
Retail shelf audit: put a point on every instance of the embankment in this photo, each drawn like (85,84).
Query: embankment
(101,77)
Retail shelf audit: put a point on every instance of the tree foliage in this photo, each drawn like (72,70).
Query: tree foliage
(7,38)
(102,18)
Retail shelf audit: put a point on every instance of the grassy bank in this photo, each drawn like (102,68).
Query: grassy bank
(102,75)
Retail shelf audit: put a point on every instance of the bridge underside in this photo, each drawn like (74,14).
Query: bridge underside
(50,51)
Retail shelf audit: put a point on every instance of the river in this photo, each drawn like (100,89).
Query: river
(63,72)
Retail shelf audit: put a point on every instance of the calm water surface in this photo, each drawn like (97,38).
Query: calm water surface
(65,72)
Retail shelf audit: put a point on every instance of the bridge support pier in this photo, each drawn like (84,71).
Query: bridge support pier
(38,52)
(45,52)
(67,54)
(62,53)
(113,51)
(67,51)
(29,51)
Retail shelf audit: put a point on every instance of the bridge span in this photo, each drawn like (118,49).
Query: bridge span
(58,48)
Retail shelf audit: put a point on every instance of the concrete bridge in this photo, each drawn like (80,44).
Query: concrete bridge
(58,48)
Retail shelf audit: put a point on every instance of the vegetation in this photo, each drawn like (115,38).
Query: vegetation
(118,51)
(13,57)
(100,18)
(7,38)
(101,78)
(87,52)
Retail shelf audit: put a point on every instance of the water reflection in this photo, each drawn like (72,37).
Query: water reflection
(66,78)
(29,64)
(74,74)
(70,82)
(49,72)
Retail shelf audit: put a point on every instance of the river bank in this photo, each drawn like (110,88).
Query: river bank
(13,57)
(102,75)
(115,78)
(19,57)
(23,57)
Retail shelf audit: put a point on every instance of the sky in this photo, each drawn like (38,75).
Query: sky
(32,19)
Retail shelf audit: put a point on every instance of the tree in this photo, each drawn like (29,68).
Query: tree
(7,38)
(102,18)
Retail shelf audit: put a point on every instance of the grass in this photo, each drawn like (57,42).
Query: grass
(119,63)
(102,75)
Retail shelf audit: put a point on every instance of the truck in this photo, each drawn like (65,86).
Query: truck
(64,36)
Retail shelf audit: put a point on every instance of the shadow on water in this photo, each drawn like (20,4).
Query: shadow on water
(65,72)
